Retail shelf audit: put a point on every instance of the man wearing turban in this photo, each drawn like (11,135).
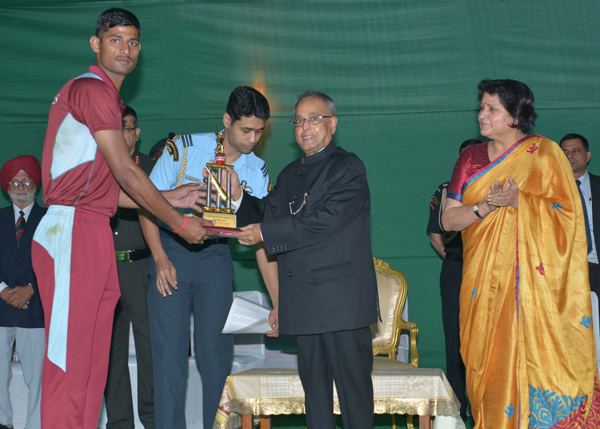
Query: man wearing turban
(21,314)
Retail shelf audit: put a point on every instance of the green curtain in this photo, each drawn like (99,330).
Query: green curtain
(403,74)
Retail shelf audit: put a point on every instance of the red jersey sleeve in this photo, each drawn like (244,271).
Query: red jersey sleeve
(460,175)
(93,103)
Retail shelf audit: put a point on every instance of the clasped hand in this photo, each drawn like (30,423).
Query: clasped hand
(18,296)
(504,197)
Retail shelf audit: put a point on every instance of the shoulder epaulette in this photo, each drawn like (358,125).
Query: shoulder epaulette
(265,170)
(187,140)
(172,149)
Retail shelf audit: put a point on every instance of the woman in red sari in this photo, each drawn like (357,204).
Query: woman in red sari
(525,311)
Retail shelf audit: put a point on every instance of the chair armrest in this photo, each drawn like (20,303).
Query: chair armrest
(414,354)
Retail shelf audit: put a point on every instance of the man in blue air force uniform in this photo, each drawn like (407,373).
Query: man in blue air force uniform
(200,276)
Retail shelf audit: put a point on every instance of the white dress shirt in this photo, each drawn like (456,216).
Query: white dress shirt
(586,190)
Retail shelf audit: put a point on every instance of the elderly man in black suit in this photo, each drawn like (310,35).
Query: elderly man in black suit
(316,220)
(577,150)
(21,314)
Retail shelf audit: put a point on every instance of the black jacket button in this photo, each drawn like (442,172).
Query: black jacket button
(289,274)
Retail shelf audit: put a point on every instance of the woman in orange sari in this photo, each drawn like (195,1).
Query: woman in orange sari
(525,309)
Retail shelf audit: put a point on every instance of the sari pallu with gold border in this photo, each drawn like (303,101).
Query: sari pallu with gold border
(525,309)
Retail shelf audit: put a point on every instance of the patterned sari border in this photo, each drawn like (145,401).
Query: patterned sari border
(518,280)
(456,197)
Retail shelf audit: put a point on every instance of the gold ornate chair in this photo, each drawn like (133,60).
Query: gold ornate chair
(392,288)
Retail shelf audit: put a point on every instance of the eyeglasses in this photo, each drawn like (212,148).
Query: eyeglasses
(313,120)
(24,182)
(127,129)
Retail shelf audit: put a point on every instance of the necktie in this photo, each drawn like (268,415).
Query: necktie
(585,215)
(20,228)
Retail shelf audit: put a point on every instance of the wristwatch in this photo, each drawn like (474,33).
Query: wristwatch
(476,211)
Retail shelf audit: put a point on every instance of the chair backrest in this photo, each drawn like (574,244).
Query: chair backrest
(392,288)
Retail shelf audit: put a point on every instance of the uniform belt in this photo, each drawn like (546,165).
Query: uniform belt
(210,242)
(170,235)
(218,240)
(592,265)
(133,255)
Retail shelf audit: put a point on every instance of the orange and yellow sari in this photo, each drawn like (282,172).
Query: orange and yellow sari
(525,308)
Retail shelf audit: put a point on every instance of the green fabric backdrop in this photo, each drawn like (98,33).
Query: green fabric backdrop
(403,74)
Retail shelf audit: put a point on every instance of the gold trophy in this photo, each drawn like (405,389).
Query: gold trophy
(221,212)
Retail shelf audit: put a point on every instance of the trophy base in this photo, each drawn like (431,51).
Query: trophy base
(221,217)
(224,232)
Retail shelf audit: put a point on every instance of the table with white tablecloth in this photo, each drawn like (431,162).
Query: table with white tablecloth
(274,391)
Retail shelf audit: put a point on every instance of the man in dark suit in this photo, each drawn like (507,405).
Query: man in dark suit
(21,314)
(132,266)
(577,150)
(316,220)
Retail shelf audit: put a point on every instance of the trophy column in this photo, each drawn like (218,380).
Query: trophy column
(219,183)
